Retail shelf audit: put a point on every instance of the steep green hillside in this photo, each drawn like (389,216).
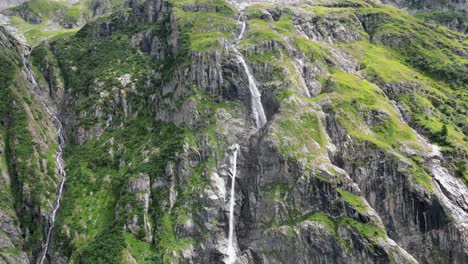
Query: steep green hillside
(452,14)
(39,20)
(27,152)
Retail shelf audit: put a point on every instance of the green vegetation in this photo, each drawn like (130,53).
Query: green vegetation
(139,250)
(437,110)
(356,100)
(370,230)
(47,69)
(428,48)
(35,34)
(218,5)
(41,20)
(259,31)
(206,30)
(107,59)
(361,107)
(312,50)
(353,200)
(357,104)
(40,8)
(420,176)
(114,86)
(442,16)
(103,62)
(277,191)
(96,183)
(301,136)
(27,155)
(8,69)
(107,248)
(168,240)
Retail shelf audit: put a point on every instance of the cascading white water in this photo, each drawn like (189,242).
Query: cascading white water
(61,169)
(260,121)
(59,160)
(257,107)
(241,35)
(231,252)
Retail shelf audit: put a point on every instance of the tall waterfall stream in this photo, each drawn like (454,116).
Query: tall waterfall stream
(60,163)
(260,121)
(231,251)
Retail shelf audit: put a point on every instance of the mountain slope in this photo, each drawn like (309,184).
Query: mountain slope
(28,147)
(40,20)
(362,158)
(452,14)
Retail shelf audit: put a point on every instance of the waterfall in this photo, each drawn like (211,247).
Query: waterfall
(260,121)
(231,252)
(257,107)
(241,35)
(61,168)
(59,160)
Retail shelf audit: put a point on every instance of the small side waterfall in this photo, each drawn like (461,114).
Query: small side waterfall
(257,107)
(241,35)
(61,168)
(59,161)
(231,252)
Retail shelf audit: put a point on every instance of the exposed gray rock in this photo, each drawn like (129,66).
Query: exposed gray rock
(10,3)
(333,28)
(139,223)
(412,216)
(301,196)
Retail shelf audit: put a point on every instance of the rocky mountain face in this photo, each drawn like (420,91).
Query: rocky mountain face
(41,20)
(10,3)
(236,132)
(452,14)
(28,145)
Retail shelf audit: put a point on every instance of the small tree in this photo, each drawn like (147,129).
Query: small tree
(444,131)
(442,136)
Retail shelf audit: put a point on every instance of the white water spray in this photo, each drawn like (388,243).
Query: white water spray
(257,107)
(231,252)
(59,161)
(260,121)
(61,170)
(241,35)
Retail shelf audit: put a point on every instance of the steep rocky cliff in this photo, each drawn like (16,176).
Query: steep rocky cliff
(27,149)
(10,3)
(362,158)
